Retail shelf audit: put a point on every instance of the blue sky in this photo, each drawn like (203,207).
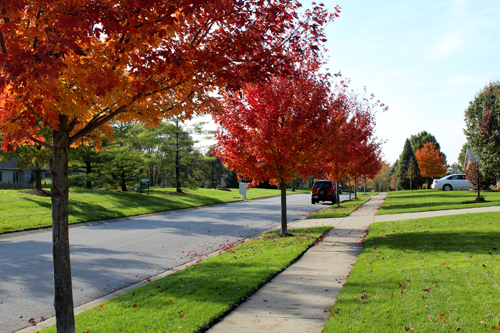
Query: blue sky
(425,59)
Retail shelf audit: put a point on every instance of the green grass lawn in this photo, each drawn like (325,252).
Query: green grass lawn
(346,207)
(20,211)
(424,275)
(193,299)
(426,200)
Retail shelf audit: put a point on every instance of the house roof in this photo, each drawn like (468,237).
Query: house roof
(10,164)
(470,157)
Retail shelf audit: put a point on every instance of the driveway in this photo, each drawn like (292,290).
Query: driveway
(110,255)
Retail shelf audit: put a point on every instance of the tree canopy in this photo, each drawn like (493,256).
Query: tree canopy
(406,157)
(430,161)
(482,128)
(70,67)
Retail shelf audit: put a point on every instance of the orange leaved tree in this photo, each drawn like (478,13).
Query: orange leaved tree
(431,162)
(279,129)
(70,67)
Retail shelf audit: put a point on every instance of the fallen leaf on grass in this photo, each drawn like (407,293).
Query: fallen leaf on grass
(134,306)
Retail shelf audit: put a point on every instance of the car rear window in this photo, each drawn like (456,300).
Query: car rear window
(323,185)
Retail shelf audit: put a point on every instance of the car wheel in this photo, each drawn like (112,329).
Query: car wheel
(313,201)
(447,187)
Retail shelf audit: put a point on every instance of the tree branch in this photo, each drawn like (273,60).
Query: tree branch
(41,143)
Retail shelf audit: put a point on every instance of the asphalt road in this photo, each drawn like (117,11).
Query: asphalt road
(110,256)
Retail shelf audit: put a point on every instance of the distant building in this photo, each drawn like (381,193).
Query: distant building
(9,173)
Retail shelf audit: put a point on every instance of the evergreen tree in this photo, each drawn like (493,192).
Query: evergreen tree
(418,141)
(231,180)
(402,168)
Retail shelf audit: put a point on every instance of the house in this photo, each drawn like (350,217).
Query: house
(9,173)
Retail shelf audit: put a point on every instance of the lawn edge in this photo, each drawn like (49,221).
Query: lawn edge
(87,306)
(83,224)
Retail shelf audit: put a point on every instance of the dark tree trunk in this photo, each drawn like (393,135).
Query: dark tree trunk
(337,194)
(38,179)
(177,171)
(63,300)
(355,187)
(364,183)
(124,182)
(477,180)
(88,166)
(349,186)
(284,226)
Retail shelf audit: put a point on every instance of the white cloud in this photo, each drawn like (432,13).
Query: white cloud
(446,46)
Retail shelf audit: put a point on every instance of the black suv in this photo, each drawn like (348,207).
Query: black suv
(323,190)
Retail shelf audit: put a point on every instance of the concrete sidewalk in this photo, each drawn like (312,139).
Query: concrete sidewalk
(299,298)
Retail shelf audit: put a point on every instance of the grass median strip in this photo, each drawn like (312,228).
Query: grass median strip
(193,299)
(346,207)
(20,211)
(436,274)
(429,200)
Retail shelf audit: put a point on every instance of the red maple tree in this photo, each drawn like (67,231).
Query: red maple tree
(360,152)
(279,129)
(70,67)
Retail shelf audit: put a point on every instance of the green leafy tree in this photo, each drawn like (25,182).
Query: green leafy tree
(29,156)
(412,172)
(402,168)
(418,141)
(87,165)
(482,129)
(126,164)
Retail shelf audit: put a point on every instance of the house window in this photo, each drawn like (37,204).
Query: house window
(15,177)
(1,179)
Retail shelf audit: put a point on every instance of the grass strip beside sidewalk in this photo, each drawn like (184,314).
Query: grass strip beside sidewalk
(195,298)
(20,211)
(436,274)
(346,207)
(429,200)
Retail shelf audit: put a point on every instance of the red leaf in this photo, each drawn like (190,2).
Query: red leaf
(134,306)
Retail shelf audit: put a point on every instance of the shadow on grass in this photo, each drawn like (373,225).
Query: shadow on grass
(81,211)
(450,241)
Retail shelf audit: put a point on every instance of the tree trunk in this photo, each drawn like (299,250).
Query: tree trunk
(88,166)
(355,187)
(284,227)
(124,182)
(411,187)
(477,180)
(38,179)
(364,183)
(63,300)
(349,186)
(337,194)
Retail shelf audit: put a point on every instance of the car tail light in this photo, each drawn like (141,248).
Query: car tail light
(330,191)
(435,181)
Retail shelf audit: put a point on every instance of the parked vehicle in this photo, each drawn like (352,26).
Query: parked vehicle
(323,190)
(452,182)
